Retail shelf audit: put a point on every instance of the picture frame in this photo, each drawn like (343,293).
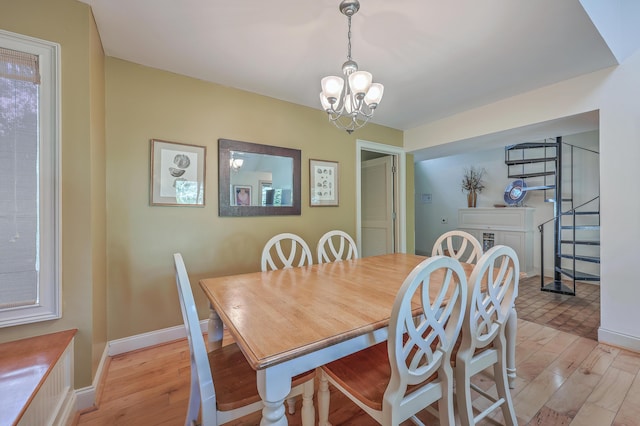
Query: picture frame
(242,195)
(324,183)
(177,174)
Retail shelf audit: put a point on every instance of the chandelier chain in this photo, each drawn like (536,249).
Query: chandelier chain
(349,38)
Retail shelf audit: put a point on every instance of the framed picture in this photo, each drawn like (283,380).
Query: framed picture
(177,174)
(324,183)
(241,195)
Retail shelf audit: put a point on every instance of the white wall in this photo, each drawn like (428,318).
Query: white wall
(615,93)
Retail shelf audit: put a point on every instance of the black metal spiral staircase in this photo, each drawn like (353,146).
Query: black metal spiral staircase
(576,228)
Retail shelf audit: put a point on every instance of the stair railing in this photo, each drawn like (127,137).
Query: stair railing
(558,217)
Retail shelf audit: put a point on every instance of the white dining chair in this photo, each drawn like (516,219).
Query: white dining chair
(493,287)
(336,245)
(394,380)
(223,384)
(458,244)
(285,250)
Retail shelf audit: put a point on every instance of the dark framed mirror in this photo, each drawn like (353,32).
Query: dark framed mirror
(258,180)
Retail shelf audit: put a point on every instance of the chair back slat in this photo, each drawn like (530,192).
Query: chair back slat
(494,287)
(335,246)
(284,251)
(458,244)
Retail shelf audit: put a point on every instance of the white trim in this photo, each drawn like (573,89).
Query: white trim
(86,397)
(67,413)
(401,214)
(620,340)
(49,304)
(152,338)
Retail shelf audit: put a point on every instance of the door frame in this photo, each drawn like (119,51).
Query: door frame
(400,182)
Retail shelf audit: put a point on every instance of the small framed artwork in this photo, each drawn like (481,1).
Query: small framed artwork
(241,195)
(177,174)
(324,183)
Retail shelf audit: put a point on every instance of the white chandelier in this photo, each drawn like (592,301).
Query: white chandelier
(350,101)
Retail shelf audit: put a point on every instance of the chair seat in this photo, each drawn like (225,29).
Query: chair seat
(235,379)
(366,374)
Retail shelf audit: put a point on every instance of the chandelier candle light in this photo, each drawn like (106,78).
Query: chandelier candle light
(350,101)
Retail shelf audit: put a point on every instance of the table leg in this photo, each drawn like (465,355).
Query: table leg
(323,399)
(511,329)
(273,387)
(215,329)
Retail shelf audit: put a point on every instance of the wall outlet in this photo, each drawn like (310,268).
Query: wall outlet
(444,220)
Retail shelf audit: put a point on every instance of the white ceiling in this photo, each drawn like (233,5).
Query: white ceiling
(435,57)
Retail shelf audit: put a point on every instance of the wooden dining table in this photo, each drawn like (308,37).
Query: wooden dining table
(293,320)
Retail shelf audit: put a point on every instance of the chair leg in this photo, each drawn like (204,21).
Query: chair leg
(323,399)
(193,409)
(445,404)
(463,393)
(291,403)
(502,386)
(308,412)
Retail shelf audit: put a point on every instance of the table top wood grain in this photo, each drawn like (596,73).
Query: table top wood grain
(279,315)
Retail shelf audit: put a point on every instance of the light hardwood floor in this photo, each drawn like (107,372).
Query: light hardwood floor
(563,379)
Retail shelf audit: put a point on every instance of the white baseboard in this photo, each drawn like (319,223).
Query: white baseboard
(620,340)
(85,398)
(152,338)
(67,412)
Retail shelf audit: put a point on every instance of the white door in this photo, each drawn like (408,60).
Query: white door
(377,206)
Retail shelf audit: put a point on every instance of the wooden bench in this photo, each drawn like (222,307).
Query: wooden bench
(25,366)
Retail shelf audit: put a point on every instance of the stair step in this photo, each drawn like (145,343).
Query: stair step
(519,161)
(528,145)
(558,287)
(582,242)
(579,213)
(577,275)
(530,175)
(594,227)
(591,259)
(538,188)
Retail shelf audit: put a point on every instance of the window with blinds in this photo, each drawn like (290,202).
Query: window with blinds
(29,270)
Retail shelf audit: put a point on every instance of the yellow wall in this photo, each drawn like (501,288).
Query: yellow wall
(70,24)
(144,103)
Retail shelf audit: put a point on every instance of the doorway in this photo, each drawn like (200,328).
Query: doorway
(381,199)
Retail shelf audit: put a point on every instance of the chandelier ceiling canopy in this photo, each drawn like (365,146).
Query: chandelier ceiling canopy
(351,100)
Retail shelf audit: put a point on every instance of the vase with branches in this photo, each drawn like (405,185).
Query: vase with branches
(473,184)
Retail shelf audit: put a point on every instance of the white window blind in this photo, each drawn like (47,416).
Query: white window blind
(18,173)
(29,278)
